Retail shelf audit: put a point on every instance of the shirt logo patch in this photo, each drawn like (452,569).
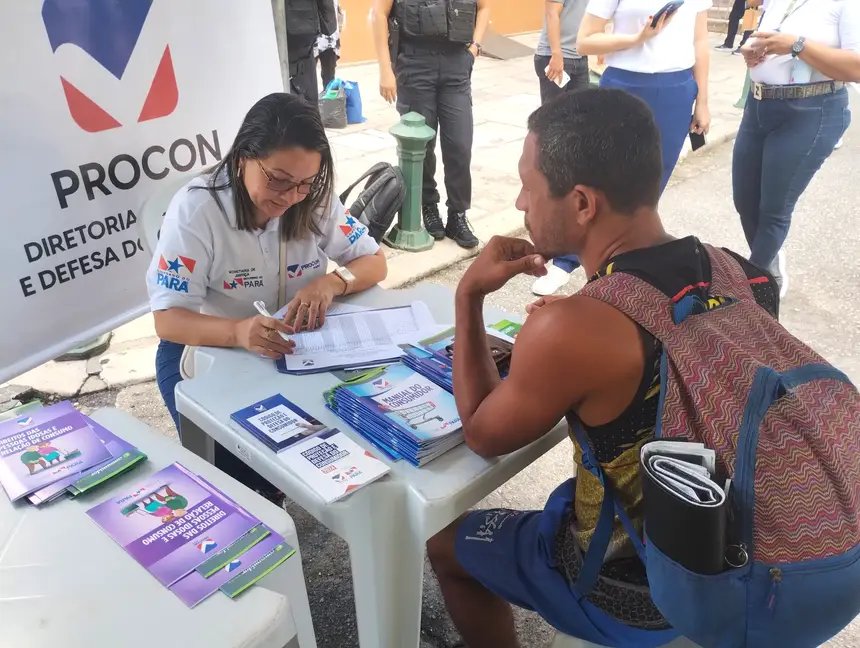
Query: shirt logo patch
(352,229)
(297,269)
(242,278)
(174,275)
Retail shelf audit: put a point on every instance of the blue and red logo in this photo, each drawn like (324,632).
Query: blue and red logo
(352,229)
(294,271)
(109,31)
(174,275)
(234,284)
(206,545)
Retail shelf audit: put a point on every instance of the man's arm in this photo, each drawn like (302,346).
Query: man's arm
(553,37)
(387,84)
(482,20)
(702,114)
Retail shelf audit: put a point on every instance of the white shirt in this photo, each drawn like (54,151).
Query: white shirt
(670,51)
(830,22)
(204,263)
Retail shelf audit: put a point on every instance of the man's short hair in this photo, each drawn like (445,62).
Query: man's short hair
(601,138)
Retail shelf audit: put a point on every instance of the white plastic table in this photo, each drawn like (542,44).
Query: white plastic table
(385,524)
(64,582)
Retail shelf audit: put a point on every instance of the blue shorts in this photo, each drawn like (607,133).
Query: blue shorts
(512,553)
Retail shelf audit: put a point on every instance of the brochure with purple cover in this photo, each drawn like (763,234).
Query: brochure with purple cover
(115,447)
(45,445)
(172,522)
(194,588)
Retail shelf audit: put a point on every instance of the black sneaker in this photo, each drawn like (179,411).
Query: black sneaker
(460,230)
(433,222)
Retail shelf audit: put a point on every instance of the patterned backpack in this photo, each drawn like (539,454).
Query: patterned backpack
(785,426)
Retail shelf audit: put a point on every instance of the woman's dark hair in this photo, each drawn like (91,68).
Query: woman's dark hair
(275,122)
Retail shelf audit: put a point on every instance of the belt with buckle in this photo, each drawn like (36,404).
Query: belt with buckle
(761,91)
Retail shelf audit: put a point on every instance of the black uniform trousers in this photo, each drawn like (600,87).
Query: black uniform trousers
(303,68)
(434,79)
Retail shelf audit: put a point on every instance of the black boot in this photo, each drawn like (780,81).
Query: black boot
(460,230)
(433,222)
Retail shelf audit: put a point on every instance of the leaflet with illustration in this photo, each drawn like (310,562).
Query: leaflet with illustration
(333,464)
(277,422)
(46,445)
(123,456)
(195,587)
(172,521)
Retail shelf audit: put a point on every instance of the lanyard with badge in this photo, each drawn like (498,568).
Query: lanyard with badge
(801,73)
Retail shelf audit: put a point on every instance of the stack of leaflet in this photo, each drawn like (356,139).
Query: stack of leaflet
(328,461)
(47,452)
(190,536)
(399,411)
(434,357)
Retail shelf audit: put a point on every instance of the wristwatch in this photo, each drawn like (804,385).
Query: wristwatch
(477,46)
(798,46)
(347,277)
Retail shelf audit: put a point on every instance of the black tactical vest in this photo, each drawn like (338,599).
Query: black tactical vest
(451,20)
(303,18)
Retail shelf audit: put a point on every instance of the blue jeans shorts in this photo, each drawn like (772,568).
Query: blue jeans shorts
(512,554)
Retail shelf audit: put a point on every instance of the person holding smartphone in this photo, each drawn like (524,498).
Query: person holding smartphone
(660,53)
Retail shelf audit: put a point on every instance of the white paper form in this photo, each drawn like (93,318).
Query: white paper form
(359,337)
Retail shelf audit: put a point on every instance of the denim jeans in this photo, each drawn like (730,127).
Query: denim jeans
(780,146)
(167,360)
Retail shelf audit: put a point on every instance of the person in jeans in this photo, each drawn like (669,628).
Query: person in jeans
(220,244)
(735,17)
(556,53)
(800,59)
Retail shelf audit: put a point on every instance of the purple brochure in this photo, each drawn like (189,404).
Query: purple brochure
(46,445)
(193,588)
(171,522)
(115,447)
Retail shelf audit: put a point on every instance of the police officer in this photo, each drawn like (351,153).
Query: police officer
(426,50)
(306,21)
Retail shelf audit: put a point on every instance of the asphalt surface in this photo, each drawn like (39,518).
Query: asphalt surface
(824,269)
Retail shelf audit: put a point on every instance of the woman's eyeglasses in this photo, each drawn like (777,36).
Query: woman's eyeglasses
(283,186)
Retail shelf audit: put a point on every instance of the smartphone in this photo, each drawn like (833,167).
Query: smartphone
(697,140)
(563,81)
(668,9)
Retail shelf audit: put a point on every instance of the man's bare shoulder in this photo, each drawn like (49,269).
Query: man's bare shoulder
(593,341)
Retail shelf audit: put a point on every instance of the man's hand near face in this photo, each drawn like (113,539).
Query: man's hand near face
(501,260)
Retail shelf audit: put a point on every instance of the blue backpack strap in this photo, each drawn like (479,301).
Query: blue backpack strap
(593,560)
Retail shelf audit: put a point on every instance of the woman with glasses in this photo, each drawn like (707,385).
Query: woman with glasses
(261,225)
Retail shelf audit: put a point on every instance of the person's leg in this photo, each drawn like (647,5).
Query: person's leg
(328,66)
(167,375)
(481,617)
(747,169)
(456,129)
(490,559)
(746,35)
(417,82)
(735,17)
(807,133)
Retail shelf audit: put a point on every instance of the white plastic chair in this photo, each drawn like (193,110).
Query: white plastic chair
(152,212)
(564,641)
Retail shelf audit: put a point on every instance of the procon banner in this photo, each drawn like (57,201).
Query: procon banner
(100,100)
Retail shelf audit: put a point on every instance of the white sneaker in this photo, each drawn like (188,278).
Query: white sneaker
(839,143)
(554,280)
(783,271)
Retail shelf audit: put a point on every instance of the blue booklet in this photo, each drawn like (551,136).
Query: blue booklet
(277,422)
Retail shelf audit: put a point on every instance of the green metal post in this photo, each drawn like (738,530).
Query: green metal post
(743,100)
(412,135)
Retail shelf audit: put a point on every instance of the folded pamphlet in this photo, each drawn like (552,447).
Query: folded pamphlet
(194,588)
(277,422)
(333,464)
(45,445)
(171,522)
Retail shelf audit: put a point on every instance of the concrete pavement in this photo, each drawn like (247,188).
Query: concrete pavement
(504,94)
